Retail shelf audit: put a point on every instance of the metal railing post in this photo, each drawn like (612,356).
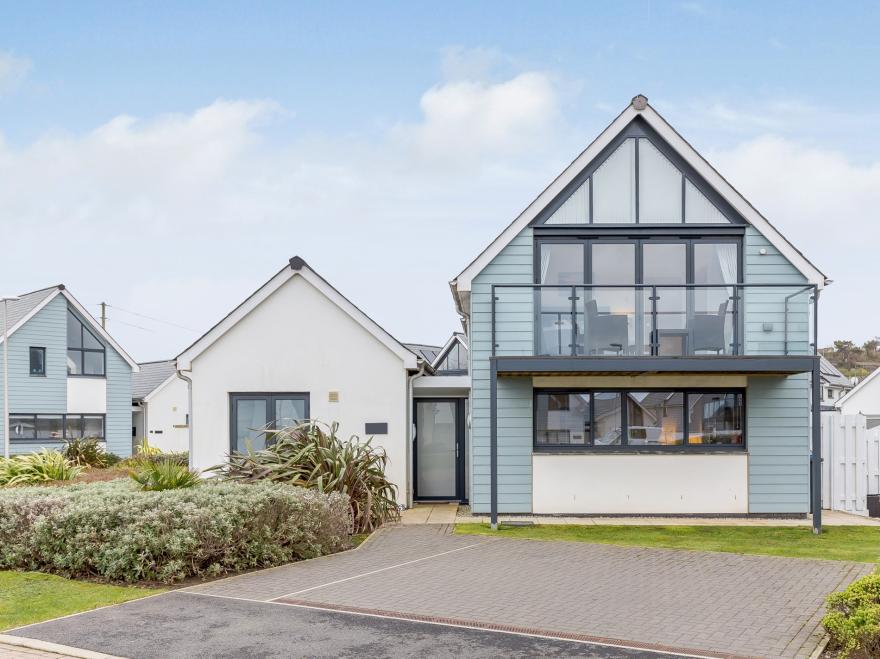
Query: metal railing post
(494,299)
(655,339)
(573,329)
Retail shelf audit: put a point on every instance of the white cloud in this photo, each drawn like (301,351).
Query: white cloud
(467,118)
(181,216)
(827,206)
(13,71)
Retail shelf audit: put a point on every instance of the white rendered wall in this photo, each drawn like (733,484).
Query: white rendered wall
(299,341)
(86,395)
(166,417)
(636,484)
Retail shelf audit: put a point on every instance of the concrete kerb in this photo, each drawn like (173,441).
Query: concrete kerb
(55,648)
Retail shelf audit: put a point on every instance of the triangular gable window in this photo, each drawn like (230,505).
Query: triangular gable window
(637,184)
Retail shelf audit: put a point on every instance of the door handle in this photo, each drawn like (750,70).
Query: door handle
(456,450)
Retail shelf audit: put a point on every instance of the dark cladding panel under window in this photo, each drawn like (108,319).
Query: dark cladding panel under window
(563,419)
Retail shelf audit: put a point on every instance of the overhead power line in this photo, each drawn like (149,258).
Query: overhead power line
(141,315)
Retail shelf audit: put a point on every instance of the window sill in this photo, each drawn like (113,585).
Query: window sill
(38,375)
(93,377)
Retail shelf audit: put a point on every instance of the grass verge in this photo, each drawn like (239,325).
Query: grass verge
(29,597)
(839,543)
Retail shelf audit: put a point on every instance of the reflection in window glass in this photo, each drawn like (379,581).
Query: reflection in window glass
(50,427)
(715,418)
(563,419)
(607,429)
(73,427)
(21,426)
(656,418)
(659,186)
(93,426)
(614,187)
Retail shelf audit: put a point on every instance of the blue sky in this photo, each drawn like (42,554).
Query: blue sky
(190,150)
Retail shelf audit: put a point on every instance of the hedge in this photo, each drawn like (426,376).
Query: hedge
(853,619)
(117,532)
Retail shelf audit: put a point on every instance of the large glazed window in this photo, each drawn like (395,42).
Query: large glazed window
(650,420)
(55,427)
(637,184)
(85,353)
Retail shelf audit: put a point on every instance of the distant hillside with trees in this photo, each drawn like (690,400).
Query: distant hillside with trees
(853,360)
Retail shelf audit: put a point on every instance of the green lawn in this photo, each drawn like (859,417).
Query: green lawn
(27,597)
(840,543)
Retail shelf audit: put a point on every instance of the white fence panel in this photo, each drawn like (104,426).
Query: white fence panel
(874,461)
(845,454)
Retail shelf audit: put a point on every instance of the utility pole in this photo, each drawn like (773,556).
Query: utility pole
(103,315)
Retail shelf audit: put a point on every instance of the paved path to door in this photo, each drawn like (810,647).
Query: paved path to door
(709,604)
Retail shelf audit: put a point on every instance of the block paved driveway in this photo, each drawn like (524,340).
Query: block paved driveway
(682,602)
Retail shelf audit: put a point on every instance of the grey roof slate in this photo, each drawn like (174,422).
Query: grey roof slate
(151,375)
(426,352)
(28,302)
(831,375)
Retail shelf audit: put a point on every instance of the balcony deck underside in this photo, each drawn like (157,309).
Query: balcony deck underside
(756,365)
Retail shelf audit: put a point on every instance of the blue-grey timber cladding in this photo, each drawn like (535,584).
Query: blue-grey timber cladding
(48,395)
(512,266)
(778,432)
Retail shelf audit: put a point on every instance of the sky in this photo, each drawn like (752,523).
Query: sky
(168,159)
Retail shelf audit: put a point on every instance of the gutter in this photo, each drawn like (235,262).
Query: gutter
(189,404)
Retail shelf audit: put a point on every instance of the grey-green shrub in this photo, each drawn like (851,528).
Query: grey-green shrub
(116,531)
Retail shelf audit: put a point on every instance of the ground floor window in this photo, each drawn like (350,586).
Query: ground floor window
(57,427)
(251,414)
(704,419)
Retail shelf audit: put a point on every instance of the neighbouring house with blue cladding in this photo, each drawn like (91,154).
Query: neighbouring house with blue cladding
(68,378)
(642,341)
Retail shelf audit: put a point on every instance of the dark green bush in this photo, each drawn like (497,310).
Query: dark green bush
(853,619)
(118,532)
(88,452)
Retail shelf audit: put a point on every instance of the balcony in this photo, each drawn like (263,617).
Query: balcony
(691,320)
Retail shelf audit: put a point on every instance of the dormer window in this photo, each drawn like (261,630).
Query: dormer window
(85,353)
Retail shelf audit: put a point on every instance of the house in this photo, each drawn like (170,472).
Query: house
(864,399)
(642,341)
(298,349)
(834,383)
(160,406)
(68,378)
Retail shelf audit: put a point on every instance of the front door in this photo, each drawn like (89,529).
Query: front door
(439,449)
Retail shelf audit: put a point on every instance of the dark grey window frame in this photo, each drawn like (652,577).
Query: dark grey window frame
(82,350)
(639,448)
(64,417)
(270,397)
(639,128)
(39,350)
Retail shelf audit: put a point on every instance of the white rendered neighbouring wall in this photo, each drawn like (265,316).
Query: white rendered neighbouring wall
(166,417)
(297,340)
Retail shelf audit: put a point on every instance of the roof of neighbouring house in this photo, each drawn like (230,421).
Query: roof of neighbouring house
(29,304)
(150,377)
(864,383)
(831,375)
(19,309)
(426,352)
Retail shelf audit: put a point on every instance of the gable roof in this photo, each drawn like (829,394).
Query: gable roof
(456,338)
(861,385)
(151,377)
(296,267)
(831,375)
(30,304)
(639,107)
